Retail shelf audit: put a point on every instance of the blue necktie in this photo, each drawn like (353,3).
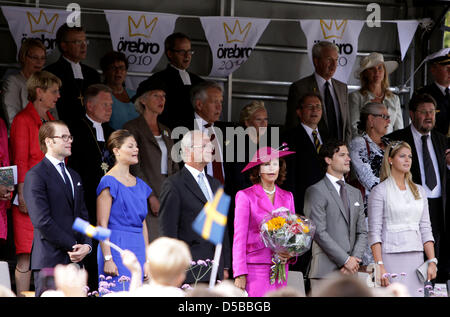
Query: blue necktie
(201,183)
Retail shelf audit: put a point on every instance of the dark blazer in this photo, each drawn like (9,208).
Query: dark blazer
(303,168)
(69,105)
(309,85)
(443,105)
(178,110)
(181,202)
(439,144)
(86,159)
(52,214)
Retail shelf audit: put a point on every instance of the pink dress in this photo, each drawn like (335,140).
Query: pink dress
(250,256)
(4,161)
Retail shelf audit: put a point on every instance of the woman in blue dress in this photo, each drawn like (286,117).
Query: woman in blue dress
(122,208)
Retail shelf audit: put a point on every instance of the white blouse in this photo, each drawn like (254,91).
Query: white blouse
(163,148)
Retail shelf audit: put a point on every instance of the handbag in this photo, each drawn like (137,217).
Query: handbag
(422,272)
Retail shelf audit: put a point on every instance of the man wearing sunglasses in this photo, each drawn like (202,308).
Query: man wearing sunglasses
(178,110)
(75,76)
(54,197)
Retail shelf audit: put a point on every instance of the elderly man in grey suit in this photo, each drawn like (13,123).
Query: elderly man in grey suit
(337,210)
(336,117)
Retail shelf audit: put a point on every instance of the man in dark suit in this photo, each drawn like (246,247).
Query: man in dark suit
(54,196)
(90,158)
(75,76)
(184,195)
(440,88)
(429,169)
(336,117)
(178,109)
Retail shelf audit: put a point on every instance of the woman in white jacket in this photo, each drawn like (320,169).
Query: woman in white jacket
(399,222)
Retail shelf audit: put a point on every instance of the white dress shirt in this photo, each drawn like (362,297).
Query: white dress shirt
(184,75)
(195,172)
(163,149)
(98,129)
(76,68)
(442,88)
(309,131)
(56,163)
(436,192)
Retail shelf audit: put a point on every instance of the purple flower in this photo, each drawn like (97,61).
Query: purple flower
(111,284)
(186,286)
(386,275)
(420,290)
(403,274)
(428,287)
(394,275)
(103,290)
(101,276)
(437,288)
(124,279)
(109,277)
(201,262)
(103,284)
(193,263)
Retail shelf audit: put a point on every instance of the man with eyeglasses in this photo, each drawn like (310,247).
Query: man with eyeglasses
(178,110)
(55,198)
(183,196)
(439,65)
(75,76)
(429,169)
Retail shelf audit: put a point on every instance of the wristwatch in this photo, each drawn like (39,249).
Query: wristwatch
(107,257)
(380,262)
(433,260)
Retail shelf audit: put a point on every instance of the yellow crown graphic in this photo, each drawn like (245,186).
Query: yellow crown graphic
(141,29)
(333,29)
(42,25)
(238,37)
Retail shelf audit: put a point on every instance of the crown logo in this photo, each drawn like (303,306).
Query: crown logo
(333,29)
(233,36)
(141,28)
(42,23)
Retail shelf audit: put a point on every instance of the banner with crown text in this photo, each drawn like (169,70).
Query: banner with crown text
(140,36)
(231,40)
(343,33)
(38,23)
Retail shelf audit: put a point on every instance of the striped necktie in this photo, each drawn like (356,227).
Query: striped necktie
(316,141)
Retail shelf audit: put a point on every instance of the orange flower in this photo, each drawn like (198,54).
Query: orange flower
(275,223)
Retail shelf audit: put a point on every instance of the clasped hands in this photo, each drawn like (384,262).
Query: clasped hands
(352,266)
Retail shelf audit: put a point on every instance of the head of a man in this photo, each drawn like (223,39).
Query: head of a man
(336,157)
(178,50)
(422,110)
(325,59)
(72,42)
(309,110)
(196,149)
(55,139)
(441,72)
(98,102)
(207,99)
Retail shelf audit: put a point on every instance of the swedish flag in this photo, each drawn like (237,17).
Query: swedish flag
(212,219)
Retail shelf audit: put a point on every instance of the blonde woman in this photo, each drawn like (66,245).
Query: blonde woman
(373,73)
(399,222)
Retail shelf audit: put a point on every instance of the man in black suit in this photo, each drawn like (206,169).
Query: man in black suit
(90,158)
(440,88)
(184,195)
(75,76)
(54,196)
(429,169)
(178,110)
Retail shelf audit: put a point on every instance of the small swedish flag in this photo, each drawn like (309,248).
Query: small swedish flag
(212,219)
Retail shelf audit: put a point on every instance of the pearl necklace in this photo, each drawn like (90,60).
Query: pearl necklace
(270,192)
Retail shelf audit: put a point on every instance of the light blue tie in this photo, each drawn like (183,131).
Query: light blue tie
(201,183)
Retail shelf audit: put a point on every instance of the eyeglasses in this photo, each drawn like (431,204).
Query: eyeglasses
(312,107)
(37,58)
(384,116)
(79,42)
(425,112)
(184,52)
(64,137)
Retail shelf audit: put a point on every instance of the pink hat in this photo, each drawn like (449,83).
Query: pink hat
(266,154)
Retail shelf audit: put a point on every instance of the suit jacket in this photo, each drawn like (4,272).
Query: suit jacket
(336,237)
(52,214)
(69,105)
(149,166)
(309,84)
(181,201)
(439,142)
(87,157)
(443,105)
(304,168)
(178,110)
(252,206)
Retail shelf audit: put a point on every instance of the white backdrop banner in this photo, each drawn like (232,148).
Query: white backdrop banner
(140,36)
(344,33)
(232,40)
(38,23)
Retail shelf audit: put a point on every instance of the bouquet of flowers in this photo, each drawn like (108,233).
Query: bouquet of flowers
(284,231)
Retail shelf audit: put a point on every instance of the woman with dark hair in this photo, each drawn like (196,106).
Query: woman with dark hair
(122,207)
(32,58)
(43,92)
(252,260)
(399,221)
(373,73)
(115,66)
